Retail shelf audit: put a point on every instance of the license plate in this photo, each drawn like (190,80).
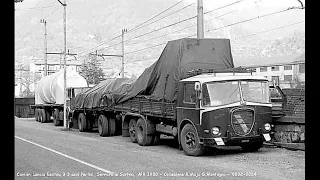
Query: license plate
(244,141)
(267,137)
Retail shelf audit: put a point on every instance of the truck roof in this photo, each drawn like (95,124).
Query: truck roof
(209,77)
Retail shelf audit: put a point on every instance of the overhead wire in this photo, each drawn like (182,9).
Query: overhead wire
(181,21)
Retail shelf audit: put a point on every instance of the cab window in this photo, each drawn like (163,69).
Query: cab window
(189,93)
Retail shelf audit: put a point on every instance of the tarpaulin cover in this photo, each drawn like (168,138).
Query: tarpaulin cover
(179,57)
(159,81)
(110,87)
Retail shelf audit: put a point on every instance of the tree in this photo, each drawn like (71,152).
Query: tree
(17,1)
(26,80)
(91,71)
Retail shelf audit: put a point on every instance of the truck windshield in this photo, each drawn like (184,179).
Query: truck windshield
(220,93)
(255,91)
(227,92)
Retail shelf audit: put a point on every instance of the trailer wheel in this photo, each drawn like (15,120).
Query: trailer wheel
(132,130)
(56,120)
(112,126)
(190,141)
(144,134)
(82,122)
(103,126)
(36,114)
(43,114)
(48,116)
(252,147)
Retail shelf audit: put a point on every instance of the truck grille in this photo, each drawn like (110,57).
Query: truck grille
(242,121)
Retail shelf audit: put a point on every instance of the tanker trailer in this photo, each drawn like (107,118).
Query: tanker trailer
(49,95)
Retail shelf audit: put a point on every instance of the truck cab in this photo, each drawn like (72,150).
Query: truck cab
(218,109)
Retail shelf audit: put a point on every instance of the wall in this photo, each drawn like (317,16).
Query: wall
(291,128)
(22,107)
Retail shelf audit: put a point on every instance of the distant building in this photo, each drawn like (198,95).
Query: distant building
(285,74)
(52,67)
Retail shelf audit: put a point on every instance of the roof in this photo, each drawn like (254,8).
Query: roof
(203,78)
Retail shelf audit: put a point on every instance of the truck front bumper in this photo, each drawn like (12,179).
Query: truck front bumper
(234,141)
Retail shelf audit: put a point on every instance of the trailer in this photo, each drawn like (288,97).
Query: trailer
(193,93)
(49,95)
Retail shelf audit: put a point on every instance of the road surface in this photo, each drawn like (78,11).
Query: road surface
(43,151)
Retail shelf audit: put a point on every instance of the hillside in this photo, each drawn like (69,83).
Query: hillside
(91,23)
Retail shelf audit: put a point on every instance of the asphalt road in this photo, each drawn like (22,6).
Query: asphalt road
(43,151)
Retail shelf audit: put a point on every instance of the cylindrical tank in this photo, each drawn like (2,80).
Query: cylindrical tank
(50,88)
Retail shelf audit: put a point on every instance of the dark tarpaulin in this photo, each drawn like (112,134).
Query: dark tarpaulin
(179,57)
(92,97)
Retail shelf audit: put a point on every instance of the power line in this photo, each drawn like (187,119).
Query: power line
(166,16)
(155,16)
(247,20)
(176,23)
(277,12)
(172,24)
(136,27)
(281,27)
(34,8)
(182,29)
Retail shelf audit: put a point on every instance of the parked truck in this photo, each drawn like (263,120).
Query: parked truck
(49,95)
(192,92)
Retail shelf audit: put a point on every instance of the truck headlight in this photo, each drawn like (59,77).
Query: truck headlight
(267,126)
(215,130)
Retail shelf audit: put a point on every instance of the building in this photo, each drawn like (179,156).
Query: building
(52,67)
(285,73)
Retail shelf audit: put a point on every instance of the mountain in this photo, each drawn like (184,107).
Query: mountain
(95,22)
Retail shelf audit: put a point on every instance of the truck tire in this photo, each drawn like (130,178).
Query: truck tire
(56,120)
(144,134)
(36,114)
(112,126)
(132,130)
(252,147)
(43,115)
(82,122)
(190,141)
(48,116)
(103,125)
(156,139)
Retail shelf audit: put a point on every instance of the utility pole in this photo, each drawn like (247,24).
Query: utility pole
(122,67)
(45,47)
(200,29)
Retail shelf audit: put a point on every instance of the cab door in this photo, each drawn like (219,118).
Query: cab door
(278,100)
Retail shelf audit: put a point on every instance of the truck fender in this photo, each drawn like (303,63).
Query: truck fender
(181,125)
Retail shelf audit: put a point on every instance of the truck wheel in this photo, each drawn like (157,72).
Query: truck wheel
(156,139)
(36,114)
(56,120)
(144,138)
(251,147)
(132,130)
(103,125)
(48,116)
(190,141)
(43,115)
(82,122)
(112,126)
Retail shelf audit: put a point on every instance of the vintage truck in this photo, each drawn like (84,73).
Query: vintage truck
(192,92)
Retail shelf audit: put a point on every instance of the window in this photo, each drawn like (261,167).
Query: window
(275,79)
(288,77)
(189,93)
(302,68)
(288,67)
(275,68)
(263,69)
